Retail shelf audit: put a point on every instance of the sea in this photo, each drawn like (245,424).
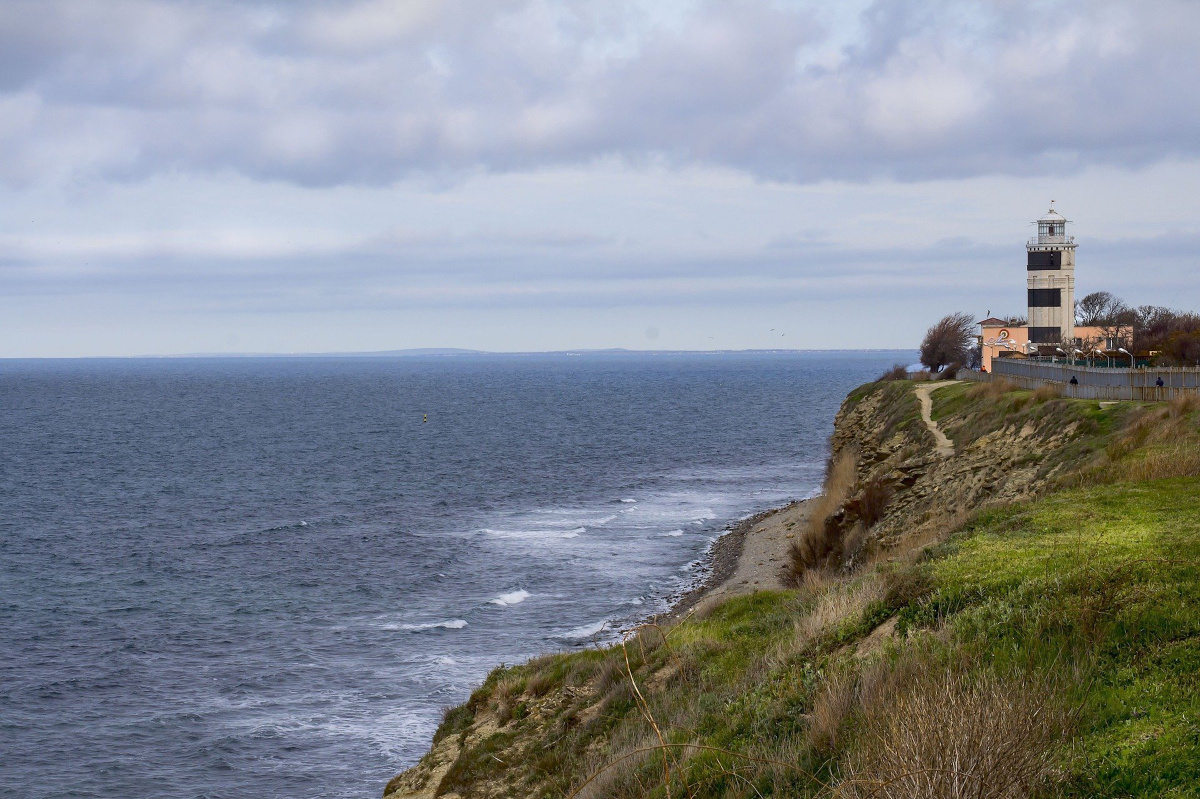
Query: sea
(269,577)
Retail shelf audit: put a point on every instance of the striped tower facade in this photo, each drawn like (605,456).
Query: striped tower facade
(1051,281)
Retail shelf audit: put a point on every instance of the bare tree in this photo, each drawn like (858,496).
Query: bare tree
(1100,309)
(948,342)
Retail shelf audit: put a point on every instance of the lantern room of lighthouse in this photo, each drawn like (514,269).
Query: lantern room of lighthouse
(1051,281)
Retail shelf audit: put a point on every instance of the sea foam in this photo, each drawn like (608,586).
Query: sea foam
(511,598)
(575,533)
(587,630)
(452,624)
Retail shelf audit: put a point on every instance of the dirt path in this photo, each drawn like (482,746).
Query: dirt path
(945,447)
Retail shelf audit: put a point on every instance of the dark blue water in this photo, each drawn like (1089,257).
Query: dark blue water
(266,577)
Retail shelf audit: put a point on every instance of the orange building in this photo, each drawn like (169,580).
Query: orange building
(998,339)
(1051,330)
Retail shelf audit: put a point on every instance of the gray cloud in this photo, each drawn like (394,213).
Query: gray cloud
(372,92)
(531,271)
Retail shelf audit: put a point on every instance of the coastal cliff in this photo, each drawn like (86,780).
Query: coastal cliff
(996,596)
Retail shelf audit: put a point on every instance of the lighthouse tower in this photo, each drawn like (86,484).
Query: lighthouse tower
(1051,281)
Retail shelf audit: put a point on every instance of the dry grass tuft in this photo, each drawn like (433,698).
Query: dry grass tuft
(1177,460)
(992,389)
(1047,392)
(904,584)
(1156,442)
(617,775)
(819,542)
(504,698)
(540,683)
(948,734)
(842,602)
(612,674)
(828,721)
(931,532)
(1183,405)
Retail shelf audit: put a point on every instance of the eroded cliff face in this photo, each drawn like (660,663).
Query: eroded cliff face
(1005,449)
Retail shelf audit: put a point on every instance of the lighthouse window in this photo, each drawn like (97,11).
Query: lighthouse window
(1045,335)
(1045,298)
(1045,260)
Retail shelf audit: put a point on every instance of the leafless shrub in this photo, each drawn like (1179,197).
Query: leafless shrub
(848,692)
(950,734)
(853,542)
(897,372)
(872,502)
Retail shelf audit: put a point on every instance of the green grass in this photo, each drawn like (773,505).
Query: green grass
(948,400)
(1107,576)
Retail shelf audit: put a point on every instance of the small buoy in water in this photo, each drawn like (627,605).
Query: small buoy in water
(426,419)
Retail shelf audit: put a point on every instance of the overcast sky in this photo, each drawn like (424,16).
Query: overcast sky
(243,176)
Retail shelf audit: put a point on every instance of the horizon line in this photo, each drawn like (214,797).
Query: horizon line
(448,352)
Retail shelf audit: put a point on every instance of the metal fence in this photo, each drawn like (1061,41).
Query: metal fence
(1097,383)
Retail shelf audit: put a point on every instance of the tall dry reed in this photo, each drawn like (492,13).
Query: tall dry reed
(820,539)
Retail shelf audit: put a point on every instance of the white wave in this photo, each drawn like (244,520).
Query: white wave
(674,533)
(534,533)
(303,523)
(511,598)
(452,624)
(629,501)
(605,520)
(587,630)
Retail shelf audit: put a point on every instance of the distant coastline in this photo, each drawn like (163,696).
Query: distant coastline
(452,352)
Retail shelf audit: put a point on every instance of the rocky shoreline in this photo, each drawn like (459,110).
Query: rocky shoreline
(750,555)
